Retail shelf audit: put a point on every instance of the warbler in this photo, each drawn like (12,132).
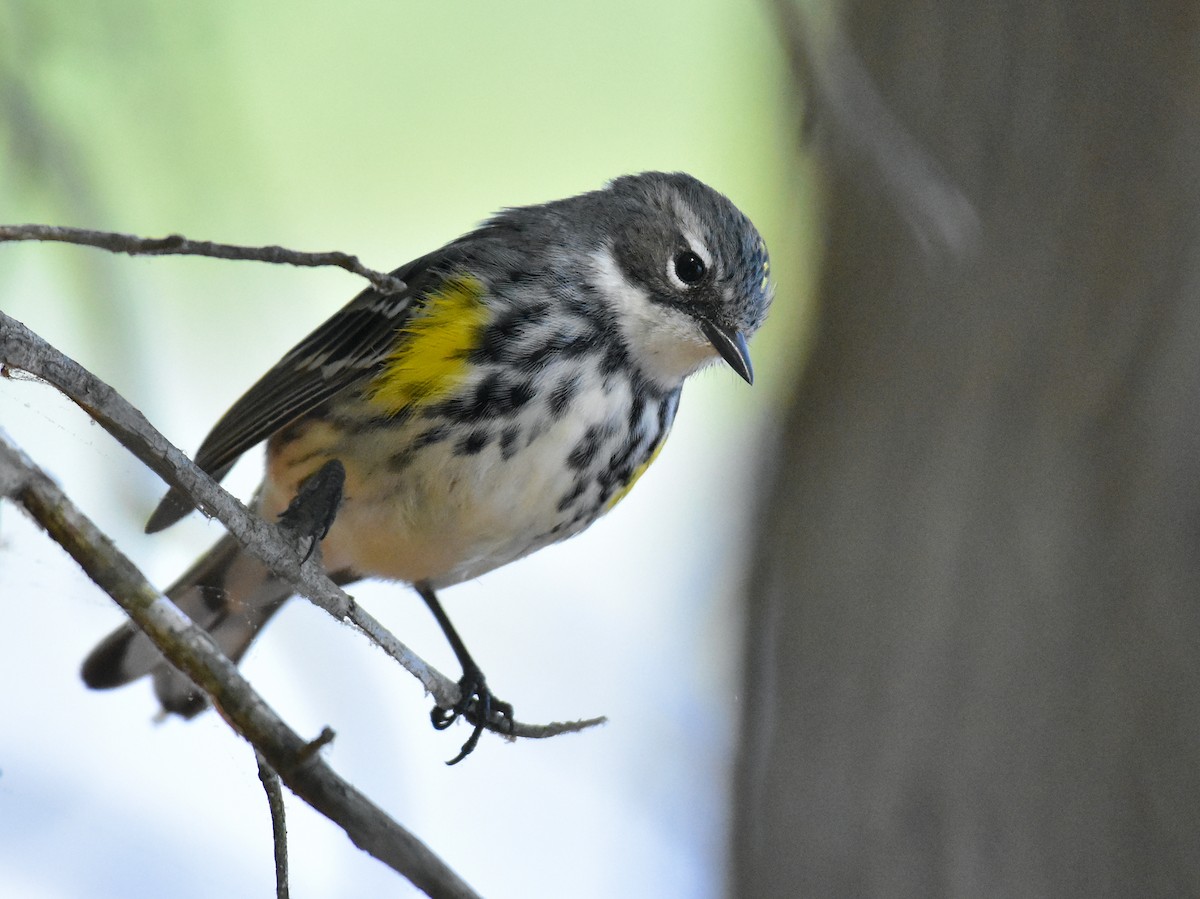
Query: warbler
(508,397)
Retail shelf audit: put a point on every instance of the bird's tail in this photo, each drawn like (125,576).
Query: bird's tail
(227,592)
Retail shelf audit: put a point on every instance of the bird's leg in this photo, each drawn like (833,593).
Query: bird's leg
(311,513)
(476,702)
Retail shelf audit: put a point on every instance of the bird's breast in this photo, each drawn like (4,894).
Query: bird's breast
(449,492)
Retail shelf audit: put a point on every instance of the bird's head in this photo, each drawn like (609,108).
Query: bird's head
(684,272)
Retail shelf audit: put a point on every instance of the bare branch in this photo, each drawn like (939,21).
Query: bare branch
(21,348)
(270,782)
(178,245)
(841,97)
(192,651)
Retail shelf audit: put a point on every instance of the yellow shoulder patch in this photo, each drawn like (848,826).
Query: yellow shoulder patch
(432,348)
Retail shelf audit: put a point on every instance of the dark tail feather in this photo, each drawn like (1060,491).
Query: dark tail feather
(227,592)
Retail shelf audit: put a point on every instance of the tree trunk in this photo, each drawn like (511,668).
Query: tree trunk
(973,658)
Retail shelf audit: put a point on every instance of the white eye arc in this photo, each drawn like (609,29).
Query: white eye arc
(689,267)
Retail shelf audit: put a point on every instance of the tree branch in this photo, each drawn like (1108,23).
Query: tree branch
(270,782)
(178,245)
(192,651)
(841,98)
(21,348)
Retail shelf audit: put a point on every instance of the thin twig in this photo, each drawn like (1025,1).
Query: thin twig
(270,782)
(190,649)
(178,245)
(22,349)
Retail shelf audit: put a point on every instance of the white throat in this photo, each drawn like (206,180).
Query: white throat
(666,344)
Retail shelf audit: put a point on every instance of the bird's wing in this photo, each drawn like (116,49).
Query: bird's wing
(337,354)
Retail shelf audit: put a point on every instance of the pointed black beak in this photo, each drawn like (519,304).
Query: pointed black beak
(732,347)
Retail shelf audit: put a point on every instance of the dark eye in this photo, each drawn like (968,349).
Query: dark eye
(689,268)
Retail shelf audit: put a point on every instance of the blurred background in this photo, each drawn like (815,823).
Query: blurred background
(916,616)
(383,130)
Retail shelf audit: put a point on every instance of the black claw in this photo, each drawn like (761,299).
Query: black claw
(475,701)
(478,706)
(467,747)
(312,512)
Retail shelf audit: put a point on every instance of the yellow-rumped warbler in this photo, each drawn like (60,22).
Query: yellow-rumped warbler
(509,397)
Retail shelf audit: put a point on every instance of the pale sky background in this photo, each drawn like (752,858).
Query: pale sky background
(384,130)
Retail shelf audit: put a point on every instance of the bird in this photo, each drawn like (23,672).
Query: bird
(511,394)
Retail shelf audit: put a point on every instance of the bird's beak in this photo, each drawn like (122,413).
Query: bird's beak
(731,345)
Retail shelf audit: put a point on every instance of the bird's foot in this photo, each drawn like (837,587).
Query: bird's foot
(311,514)
(479,707)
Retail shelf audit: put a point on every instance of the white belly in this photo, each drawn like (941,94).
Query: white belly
(445,516)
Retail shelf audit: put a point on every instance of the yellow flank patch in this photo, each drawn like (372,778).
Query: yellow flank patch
(633,478)
(432,348)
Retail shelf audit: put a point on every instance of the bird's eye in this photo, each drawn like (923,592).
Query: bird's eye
(689,268)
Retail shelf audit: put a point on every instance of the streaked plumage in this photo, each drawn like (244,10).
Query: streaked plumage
(504,401)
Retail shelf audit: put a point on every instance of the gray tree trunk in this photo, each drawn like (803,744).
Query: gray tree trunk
(973,657)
